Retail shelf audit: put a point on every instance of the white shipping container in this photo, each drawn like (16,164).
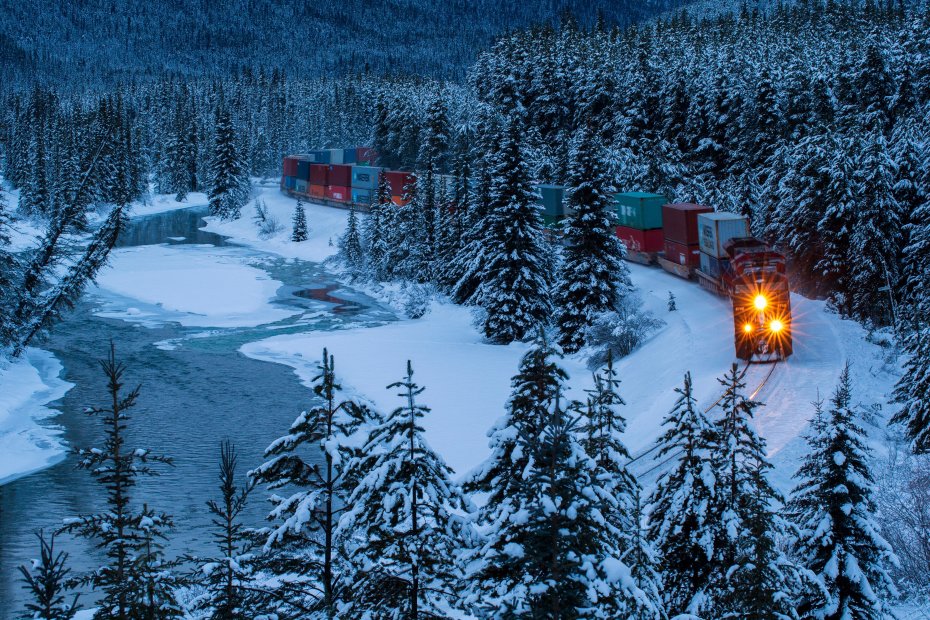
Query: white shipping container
(335,156)
(715,229)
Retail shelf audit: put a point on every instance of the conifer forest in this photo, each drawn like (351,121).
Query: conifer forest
(465,310)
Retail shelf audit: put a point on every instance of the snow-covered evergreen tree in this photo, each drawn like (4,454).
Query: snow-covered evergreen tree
(134,581)
(593,277)
(514,291)
(306,519)
(751,576)
(350,246)
(405,521)
(376,231)
(680,522)
(229,180)
(833,507)
(299,230)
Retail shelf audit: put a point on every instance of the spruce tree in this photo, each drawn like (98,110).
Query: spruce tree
(514,291)
(299,232)
(227,577)
(350,246)
(751,575)
(229,181)
(376,230)
(46,579)
(593,277)
(306,519)
(833,507)
(680,522)
(405,520)
(130,581)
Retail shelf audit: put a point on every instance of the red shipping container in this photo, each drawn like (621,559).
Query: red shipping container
(290,167)
(680,221)
(339,192)
(319,174)
(318,191)
(364,153)
(681,254)
(399,181)
(339,175)
(400,201)
(641,240)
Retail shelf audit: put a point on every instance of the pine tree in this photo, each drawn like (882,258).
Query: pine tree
(680,522)
(672,306)
(300,231)
(405,520)
(226,578)
(47,581)
(377,230)
(307,518)
(514,291)
(594,277)
(350,246)
(751,576)
(229,181)
(130,580)
(839,540)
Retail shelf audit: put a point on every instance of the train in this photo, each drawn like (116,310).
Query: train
(691,241)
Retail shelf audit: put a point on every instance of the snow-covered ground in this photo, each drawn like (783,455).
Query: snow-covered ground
(27,441)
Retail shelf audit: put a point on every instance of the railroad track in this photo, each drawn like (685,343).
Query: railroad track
(708,409)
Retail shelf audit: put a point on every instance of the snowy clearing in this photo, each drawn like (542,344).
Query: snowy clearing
(27,442)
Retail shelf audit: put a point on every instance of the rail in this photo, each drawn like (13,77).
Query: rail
(710,408)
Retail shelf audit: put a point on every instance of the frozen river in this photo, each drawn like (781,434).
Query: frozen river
(197,389)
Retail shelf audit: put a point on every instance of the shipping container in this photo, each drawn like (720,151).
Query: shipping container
(300,186)
(290,166)
(638,240)
(342,193)
(639,210)
(349,156)
(319,174)
(400,201)
(365,177)
(303,170)
(365,156)
(680,222)
(290,182)
(399,181)
(715,229)
(552,221)
(320,157)
(713,266)
(362,196)
(339,175)
(552,199)
(318,191)
(335,156)
(682,254)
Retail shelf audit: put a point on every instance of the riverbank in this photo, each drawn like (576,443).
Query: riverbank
(28,440)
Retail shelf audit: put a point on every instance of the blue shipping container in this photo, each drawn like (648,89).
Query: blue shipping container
(320,157)
(303,170)
(361,196)
(348,156)
(290,182)
(300,186)
(365,177)
(714,267)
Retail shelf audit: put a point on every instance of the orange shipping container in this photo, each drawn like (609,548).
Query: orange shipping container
(318,191)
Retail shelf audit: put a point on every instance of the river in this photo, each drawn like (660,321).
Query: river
(196,390)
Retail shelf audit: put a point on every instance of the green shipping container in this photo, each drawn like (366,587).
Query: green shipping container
(552,199)
(640,210)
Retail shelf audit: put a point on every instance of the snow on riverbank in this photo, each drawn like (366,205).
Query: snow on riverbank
(198,286)
(27,442)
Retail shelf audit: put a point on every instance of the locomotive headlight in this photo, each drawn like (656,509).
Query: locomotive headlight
(776,326)
(747,328)
(760,302)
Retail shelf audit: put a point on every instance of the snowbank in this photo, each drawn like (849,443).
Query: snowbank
(198,286)
(27,385)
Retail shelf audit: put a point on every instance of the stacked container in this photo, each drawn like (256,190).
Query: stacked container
(639,216)
(349,156)
(335,156)
(714,230)
(364,184)
(303,169)
(339,182)
(552,201)
(319,179)
(682,241)
(300,186)
(365,156)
